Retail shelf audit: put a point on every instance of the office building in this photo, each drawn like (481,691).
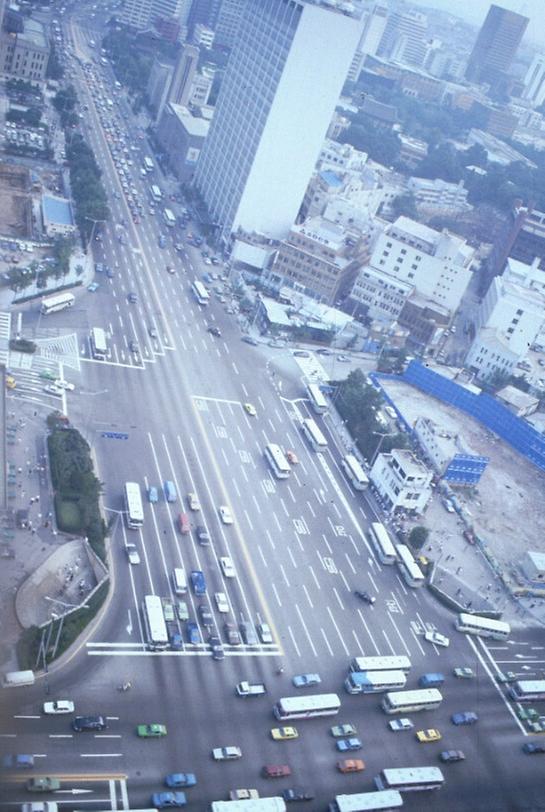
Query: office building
(181,136)
(24,50)
(229,16)
(438,264)
(282,82)
(496,45)
(405,38)
(374,24)
(183,75)
(142,14)
(534,81)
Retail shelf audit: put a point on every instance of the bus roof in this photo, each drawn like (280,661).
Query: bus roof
(361,801)
(412,775)
(309,702)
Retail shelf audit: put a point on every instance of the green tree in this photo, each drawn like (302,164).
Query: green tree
(405,204)
(418,536)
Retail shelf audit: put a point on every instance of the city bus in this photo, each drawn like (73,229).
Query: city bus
(305,707)
(317,399)
(133,505)
(53,303)
(410,779)
(527,690)
(154,622)
(383,544)
(355,472)
(367,801)
(313,434)
(147,164)
(482,626)
(200,293)
(99,345)
(408,567)
(156,193)
(390,662)
(271,804)
(407,701)
(374,682)
(277,461)
(169,218)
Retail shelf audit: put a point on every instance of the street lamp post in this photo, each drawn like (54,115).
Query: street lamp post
(382,435)
(91,236)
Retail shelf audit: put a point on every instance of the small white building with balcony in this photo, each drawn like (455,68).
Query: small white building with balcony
(402,481)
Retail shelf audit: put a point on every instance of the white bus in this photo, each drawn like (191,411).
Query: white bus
(59,302)
(169,218)
(277,461)
(200,293)
(99,345)
(482,626)
(383,544)
(305,707)
(271,804)
(374,682)
(527,690)
(390,662)
(154,622)
(367,801)
(408,567)
(317,399)
(313,434)
(410,779)
(355,472)
(156,193)
(407,701)
(133,505)
(147,164)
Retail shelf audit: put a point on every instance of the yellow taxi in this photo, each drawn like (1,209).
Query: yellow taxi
(280,734)
(430,735)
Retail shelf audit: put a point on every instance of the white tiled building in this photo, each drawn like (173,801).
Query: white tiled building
(438,195)
(403,482)
(437,264)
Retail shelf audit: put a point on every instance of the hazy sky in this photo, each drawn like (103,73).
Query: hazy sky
(476,10)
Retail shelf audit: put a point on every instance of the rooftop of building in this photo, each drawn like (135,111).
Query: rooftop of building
(57,210)
(34,33)
(408,462)
(515,397)
(495,341)
(322,231)
(332,178)
(532,297)
(450,444)
(537,558)
(194,125)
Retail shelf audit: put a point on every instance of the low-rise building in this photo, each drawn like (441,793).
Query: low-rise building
(412,151)
(518,402)
(491,354)
(377,296)
(533,566)
(402,481)
(448,455)
(57,216)
(321,259)
(437,196)
(24,52)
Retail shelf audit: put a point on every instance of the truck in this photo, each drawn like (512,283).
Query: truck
(250,689)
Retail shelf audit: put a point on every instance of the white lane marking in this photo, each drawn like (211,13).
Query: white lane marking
(307,633)
(282,570)
(308,597)
(296,647)
(338,631)
(326,641)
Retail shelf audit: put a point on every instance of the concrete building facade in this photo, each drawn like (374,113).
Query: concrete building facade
(279,91)
(25,54)
(402,481)
(496,45)
(181,135)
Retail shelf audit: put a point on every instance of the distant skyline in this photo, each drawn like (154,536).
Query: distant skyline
(476,11)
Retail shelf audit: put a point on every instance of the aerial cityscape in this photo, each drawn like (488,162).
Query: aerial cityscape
(272,350)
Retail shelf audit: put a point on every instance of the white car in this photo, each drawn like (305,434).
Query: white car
(59,706)
(227,567)
(438,639)
(221,602)
(400,724)
(51,389)
(225,514)
(65,385)
(226,753)
(132,553)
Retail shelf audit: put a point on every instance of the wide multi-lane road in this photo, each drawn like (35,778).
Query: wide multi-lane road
(299,549)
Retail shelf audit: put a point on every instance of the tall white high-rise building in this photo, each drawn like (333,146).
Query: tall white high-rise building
(286,71)
(405,37)
(534,81)
(374,24)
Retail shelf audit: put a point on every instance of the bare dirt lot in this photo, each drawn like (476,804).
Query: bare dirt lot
(507,509)
(15,201)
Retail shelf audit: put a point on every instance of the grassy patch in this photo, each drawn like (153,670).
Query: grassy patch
(69,516)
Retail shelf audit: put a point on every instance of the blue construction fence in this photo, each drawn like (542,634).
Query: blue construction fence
(482,407)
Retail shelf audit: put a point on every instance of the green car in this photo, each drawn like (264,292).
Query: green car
(151,731)
(43,784)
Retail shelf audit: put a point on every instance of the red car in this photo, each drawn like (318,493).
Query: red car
(276,770)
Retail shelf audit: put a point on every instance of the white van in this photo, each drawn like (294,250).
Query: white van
(179,580)
(13,679)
